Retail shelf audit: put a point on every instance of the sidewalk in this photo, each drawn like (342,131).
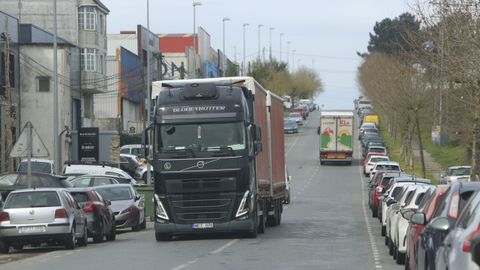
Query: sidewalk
(431,167)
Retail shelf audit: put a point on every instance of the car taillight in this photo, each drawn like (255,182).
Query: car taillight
(88,208)
(4,216)
(370,164)
(61,213)
(468,240)
(453,209)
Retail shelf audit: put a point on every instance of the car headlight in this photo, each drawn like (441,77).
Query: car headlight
(128,210)
(243,208)
(159,209)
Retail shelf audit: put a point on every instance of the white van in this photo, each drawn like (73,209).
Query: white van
(81,169)
(133,149)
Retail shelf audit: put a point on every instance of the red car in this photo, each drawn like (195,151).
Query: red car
(430,204)
(379,181)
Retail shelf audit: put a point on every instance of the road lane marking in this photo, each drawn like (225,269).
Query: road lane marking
(216,251)
(222,248)
(376,255)
(292,145)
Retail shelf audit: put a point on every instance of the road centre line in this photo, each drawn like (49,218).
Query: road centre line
(222,248)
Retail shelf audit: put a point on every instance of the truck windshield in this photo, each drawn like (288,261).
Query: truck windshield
(201,137)
(460,171)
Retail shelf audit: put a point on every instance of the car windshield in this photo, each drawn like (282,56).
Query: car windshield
(387,167)
(376,149)
(295,115)
(32,199)
(116,193)
(460,171)
(8,179)
(201,137)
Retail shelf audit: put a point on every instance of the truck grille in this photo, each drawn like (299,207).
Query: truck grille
(204,185)
(194,208)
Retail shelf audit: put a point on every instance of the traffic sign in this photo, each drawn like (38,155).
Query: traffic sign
(20,149)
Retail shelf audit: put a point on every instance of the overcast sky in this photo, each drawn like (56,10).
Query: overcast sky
(326,34)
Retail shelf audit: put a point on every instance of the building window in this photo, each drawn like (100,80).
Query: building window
(88,59)
(43,84)
(87,18)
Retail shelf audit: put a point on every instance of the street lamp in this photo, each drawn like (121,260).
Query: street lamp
(194,4)
(281,34)
(259,26)
(243,64)
(271,29)
(288,54)
(224,62)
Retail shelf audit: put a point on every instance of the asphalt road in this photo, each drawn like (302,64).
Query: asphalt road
(327,226)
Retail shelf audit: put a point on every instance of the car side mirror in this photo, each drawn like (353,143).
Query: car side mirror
(107,202)
(390,202)
(407,214)
(137,197)
(440,224)
(475,249)
(418,218)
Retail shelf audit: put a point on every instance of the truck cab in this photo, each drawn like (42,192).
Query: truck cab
(457,174)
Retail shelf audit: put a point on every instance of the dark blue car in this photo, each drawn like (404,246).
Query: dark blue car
(450,206)
(290,126)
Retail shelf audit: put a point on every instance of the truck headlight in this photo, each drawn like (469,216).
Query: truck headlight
(159,209)
(243,207)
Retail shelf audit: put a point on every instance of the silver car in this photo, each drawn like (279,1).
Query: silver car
(34,216)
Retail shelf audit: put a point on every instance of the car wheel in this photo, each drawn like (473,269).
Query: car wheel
(84,240)
(395,251)
(98,238)
(143,225)
(162,237)
(407,263)
(4,247)
(112,235)
(390,247)
(18,247)
(400,258)
(383,232)
(70,240)
(374,213)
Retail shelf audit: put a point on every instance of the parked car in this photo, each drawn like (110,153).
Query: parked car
(130,163)
(290,126)
(96,169)
(37,165)
(368,132)
(127,205)
(400,221)
(367,125)
(92,181)
(19,180)
(376,149)
(450,207)
(386,166)
(99,214)
(371,161)
(454,252)
(134,149)
(457,174)
(34,216)
(428,206)
(378,186)
(297,117)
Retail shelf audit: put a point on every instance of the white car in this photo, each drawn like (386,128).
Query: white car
(399,224)
(80,169)
(297,117)
(457,174)
(367,125)
(37,165)
(391,166)
(372,160)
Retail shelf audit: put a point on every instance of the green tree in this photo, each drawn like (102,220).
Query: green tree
(392,36)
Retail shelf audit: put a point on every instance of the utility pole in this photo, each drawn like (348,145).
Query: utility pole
(8,99)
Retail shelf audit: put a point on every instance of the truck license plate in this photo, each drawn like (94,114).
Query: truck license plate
(202,226)
(32,229)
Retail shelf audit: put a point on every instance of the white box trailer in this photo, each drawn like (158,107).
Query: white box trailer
(336,136)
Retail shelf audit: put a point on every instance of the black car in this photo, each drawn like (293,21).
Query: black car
(449,208)
(19,180)
(129,163)
(99,214)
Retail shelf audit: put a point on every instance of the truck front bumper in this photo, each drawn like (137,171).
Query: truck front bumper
(245,225)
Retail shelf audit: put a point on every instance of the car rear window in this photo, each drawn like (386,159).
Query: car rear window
(39,181)
(80,197)
(387,167)
(36,166)
(116,193)
(32,199)
(378,159)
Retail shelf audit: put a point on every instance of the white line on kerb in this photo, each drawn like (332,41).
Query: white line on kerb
(376,257)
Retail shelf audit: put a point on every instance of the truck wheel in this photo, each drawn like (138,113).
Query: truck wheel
(254,232)
(279,212)
(4,247)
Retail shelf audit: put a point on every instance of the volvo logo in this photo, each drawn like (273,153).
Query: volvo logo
(167,166)
(32,212)
(201,164)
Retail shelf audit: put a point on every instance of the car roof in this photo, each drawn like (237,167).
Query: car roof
(38,160)
(378,156)
(131,146)
(388,163)
(113,186)
(36,190)
(128,155)
(460,167)
(81,189)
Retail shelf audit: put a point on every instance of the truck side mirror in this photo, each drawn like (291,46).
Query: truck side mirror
(318,130)
(258,147)
(258,133)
